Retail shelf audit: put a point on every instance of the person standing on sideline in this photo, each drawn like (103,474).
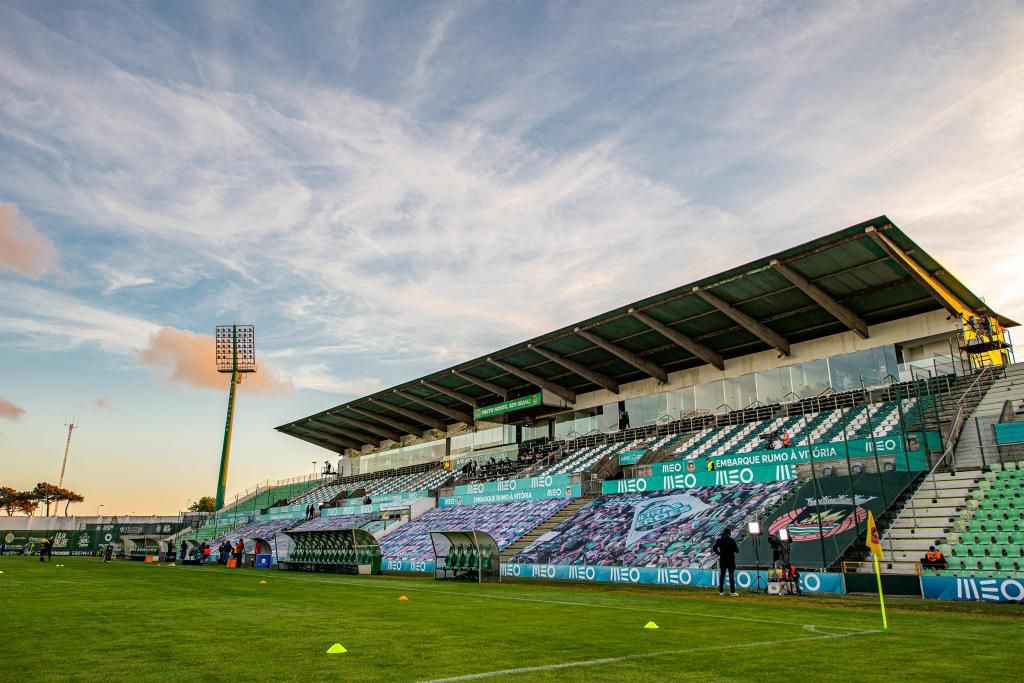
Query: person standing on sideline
(239,554)
(46,549)
(725,547)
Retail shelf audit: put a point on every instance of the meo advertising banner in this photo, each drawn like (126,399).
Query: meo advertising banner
(810,582)
(973,588)
(513,490)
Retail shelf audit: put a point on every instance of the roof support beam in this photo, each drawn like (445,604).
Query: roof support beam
(457,395)
(582,370)
(915,271)
(822,298)
(334,448)
(456,415)
(367,427)
(652,369)
(320,436)
(357,437)
(762,332)
(564,393)
(431,422)
(495,389)
(385,419)
(706,354)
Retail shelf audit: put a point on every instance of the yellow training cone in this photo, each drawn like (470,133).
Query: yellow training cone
(336,649)
(158,564)
(403,598)
(650,624)
(262,582)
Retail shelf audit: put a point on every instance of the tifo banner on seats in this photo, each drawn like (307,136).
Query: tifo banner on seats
(973,588)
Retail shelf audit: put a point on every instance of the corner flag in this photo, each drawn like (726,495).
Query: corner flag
(874,542)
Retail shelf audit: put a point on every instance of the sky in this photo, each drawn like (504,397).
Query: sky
(385,189)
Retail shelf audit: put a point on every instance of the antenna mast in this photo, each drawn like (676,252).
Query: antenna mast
(67,449)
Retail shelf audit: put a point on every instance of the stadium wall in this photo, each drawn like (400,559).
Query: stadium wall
(54,523)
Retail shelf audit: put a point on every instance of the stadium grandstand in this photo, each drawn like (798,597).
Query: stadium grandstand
(798,392)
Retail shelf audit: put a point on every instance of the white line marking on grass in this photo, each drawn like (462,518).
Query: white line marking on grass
(644,655)
(569,603)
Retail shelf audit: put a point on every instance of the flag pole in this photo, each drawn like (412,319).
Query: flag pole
(874,543)
(881,598)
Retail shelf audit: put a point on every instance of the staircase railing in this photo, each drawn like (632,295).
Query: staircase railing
(956,426)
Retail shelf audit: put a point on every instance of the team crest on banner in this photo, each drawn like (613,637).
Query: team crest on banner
(661,512)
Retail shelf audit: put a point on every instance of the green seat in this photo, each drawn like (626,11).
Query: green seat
(961,550)
(995,467)
(1010,466)
(988,564)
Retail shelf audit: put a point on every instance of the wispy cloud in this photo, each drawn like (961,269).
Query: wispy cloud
(23,248)
(9,411)
(102,404)
(462,182)
(117,279)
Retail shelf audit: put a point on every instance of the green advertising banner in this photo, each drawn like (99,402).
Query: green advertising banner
(631,457)
(545,482)
(512,496)
(531,401)
(698,478)
(892,445)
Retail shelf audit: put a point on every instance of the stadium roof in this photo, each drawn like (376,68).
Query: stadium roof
(867,274)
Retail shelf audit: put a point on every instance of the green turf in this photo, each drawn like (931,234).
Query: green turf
(90,621)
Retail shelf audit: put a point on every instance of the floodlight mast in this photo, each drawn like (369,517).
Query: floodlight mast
(225,364)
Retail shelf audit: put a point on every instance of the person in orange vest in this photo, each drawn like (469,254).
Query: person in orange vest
(239,554)
(933,559)
(786,440)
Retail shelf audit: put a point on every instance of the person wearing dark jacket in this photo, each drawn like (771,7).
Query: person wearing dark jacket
(725,548)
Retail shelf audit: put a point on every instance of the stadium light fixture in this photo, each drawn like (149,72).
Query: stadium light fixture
(235,353)
(754,528)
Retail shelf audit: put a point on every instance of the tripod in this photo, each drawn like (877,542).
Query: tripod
(758,584)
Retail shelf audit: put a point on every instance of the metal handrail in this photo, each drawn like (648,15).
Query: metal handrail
(952,439)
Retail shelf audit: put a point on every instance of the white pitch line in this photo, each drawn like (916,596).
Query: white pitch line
(644,655)
(566,603)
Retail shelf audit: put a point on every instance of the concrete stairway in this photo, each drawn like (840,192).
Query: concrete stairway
(929,514)
(977,446)
(549,524)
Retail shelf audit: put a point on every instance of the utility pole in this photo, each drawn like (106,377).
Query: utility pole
(67,449)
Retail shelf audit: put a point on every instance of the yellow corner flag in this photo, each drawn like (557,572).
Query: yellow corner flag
(874,542)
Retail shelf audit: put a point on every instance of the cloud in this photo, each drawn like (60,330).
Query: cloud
(189,359)
(102,404)
(118,279)
(23,249)
(9,411)
(42,320)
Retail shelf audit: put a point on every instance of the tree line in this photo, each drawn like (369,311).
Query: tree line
(44,494)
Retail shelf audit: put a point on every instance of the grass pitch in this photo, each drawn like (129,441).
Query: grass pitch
(127,620)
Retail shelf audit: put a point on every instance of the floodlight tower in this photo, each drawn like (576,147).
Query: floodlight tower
(235,350)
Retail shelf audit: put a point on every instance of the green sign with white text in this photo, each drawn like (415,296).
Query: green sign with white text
(522,403)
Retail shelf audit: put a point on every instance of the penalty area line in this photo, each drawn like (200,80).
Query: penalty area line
(643,655)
